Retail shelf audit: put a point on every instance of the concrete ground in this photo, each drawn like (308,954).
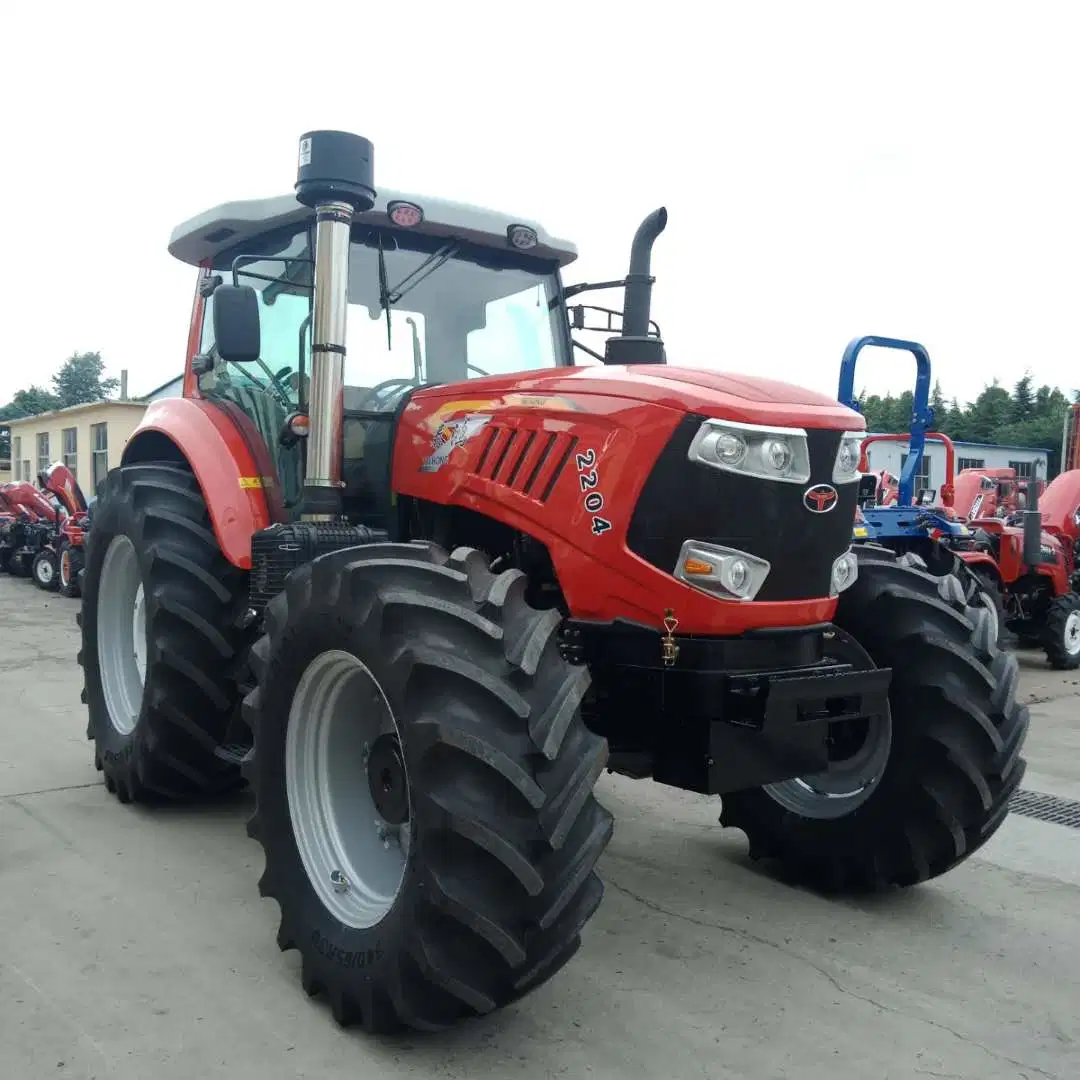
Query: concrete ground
(134,946)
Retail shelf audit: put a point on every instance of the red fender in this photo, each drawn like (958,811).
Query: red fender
(221,459)
(980,558)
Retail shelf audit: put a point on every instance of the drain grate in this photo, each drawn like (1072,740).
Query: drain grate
(1043,807)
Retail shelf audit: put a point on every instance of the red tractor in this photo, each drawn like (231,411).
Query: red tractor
(984,493)
(1028,563)
(26,543)
(397,563)
(66,548)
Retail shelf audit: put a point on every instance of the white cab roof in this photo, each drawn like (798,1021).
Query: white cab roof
(208,234)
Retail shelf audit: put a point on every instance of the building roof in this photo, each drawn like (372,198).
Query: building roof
(165,385)
(37,418)
(214,231)
(978,445)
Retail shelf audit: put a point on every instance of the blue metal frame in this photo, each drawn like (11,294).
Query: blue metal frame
(922,415)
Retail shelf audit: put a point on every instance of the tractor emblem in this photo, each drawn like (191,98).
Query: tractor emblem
(451,434)
(820,498)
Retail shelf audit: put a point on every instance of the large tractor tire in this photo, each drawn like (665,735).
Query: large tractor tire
(1061,634)
(424,785)
(911,794)
(160,615)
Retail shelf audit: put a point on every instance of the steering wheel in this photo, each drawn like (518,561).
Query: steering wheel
(381,390)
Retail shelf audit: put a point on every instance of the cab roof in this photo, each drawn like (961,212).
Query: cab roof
(215,231)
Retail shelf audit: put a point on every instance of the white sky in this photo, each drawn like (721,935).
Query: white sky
(830,169)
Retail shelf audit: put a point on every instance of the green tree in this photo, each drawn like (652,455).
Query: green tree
(1022,406)
(79,380)
(940,406)
(28,402)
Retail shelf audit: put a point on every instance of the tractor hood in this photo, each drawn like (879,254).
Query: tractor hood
(744,398)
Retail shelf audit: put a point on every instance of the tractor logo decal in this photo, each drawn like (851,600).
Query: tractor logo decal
(820,498)
(449,435)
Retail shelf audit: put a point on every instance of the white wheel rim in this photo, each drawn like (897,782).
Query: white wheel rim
(121,635)
(65,569)
(1072,633)
(354,858)
(45,571)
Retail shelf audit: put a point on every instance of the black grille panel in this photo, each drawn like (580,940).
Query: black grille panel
(280,549)
(682,500)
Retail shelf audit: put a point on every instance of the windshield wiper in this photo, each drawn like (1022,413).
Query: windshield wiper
(385,299)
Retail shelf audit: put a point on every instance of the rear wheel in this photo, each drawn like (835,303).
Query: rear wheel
(424,785)
(912,796)
(160,637)
(43,570)
(69,564)
(1061,634)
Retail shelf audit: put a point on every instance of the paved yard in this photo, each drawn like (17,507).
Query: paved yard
(134,946)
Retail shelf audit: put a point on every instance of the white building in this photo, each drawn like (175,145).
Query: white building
(893,456)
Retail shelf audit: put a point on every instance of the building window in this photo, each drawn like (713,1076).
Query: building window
(99,441)
(16,455)
(971,463)
(1023,469)
(922,477)
(43,461)
(71,449)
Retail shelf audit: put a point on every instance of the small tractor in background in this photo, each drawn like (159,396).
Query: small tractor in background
(66,545)
(420,589)
(26,543)
(994,492)
(1028,563)
(912,523)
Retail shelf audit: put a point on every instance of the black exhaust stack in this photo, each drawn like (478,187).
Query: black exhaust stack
(635,345)
(1032,523)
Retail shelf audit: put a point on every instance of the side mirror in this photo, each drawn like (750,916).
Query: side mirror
(236,323)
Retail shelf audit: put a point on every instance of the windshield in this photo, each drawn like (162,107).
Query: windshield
(456,311)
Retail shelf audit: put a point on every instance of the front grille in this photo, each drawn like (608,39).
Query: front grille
(685,500)
(280,549)
(524,459)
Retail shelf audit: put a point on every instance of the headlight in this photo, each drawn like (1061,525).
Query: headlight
(844,572)
(846,466)
(770,453)
(727,572)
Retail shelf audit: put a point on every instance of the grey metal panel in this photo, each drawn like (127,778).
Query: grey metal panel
(216,230)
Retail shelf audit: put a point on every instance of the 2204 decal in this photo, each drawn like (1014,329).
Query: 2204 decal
(593,498)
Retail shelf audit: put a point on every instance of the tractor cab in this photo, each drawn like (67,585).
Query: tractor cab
(438,293)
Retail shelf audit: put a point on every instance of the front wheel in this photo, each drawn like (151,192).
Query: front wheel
(1061,634)
(914,793)
(424,785)
(43,570)
(69,566)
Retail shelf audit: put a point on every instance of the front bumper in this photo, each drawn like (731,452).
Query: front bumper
(729,713)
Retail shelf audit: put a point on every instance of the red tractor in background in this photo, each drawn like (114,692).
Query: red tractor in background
(398,563)
(996,492)
(1029,563)
(66,547)
(26,543)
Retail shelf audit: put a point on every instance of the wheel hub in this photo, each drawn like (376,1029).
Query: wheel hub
(352,830)
(1072,633)
(386,780)
(121,634)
